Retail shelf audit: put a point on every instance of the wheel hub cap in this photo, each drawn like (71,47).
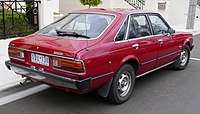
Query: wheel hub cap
(183,57)
(124,84)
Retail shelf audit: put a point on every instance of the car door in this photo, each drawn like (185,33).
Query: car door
(144,45)
(167,50)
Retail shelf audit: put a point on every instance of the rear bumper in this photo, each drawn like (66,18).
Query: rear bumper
(48,77)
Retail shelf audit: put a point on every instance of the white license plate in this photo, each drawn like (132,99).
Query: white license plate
(40,59)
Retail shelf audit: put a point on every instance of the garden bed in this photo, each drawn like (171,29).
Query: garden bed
(16,24)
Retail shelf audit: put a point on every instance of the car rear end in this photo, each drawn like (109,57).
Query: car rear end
(50,55)
(47,65)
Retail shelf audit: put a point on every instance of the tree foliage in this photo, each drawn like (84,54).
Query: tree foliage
(91,2)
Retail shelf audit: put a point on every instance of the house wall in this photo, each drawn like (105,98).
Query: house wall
(48,7)
(176,11)
(56,6)
(119,4)
(71,5)
(46,10)
(198,14)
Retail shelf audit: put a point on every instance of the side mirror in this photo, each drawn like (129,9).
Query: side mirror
(171,31)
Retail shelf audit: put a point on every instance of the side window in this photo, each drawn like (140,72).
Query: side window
(139,27)
(158,25)
(122,33)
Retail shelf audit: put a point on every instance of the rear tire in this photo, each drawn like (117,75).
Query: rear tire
(122,85)
(182,62)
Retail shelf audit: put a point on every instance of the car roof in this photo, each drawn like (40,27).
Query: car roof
(122,11)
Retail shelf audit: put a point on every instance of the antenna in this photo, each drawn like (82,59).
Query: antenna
(86,32)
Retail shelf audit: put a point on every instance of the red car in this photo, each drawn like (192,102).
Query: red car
(100,49)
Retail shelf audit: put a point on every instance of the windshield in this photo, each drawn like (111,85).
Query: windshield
(78,25)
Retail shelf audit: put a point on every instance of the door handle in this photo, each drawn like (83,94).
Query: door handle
(136,46)
(168,35)
(160,41)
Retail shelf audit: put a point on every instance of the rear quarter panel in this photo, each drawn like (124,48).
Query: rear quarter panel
(103,57)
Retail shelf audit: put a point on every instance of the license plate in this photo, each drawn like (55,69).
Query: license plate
(40,59)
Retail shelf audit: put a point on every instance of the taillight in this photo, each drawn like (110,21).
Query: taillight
(70,66)
(16,53)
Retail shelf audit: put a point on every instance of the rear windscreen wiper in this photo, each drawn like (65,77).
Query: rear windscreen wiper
(65,33)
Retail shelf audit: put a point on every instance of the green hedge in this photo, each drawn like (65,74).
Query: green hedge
(19,27)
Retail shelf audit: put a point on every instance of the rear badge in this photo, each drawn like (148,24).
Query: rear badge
(58,53)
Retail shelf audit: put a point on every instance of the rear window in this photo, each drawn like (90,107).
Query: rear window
(91,25)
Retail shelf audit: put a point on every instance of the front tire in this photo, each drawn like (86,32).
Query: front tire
(182,62)
(122,85)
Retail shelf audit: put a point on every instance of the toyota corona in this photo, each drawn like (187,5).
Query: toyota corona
(100,49)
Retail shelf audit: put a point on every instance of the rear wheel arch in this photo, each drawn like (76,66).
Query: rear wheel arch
(187,42)
(122,85)
(134,63)
(104,90)
(131,60)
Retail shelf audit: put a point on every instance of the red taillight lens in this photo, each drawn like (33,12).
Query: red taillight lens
(68,65)
(16,53)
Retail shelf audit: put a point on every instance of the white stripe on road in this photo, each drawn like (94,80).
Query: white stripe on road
(22,94)
(196,59)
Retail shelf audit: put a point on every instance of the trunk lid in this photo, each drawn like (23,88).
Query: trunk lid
(51,45)
(39,51)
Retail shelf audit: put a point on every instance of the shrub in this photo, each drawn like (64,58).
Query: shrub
(91,2)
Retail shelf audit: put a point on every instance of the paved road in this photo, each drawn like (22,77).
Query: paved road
(162,92)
